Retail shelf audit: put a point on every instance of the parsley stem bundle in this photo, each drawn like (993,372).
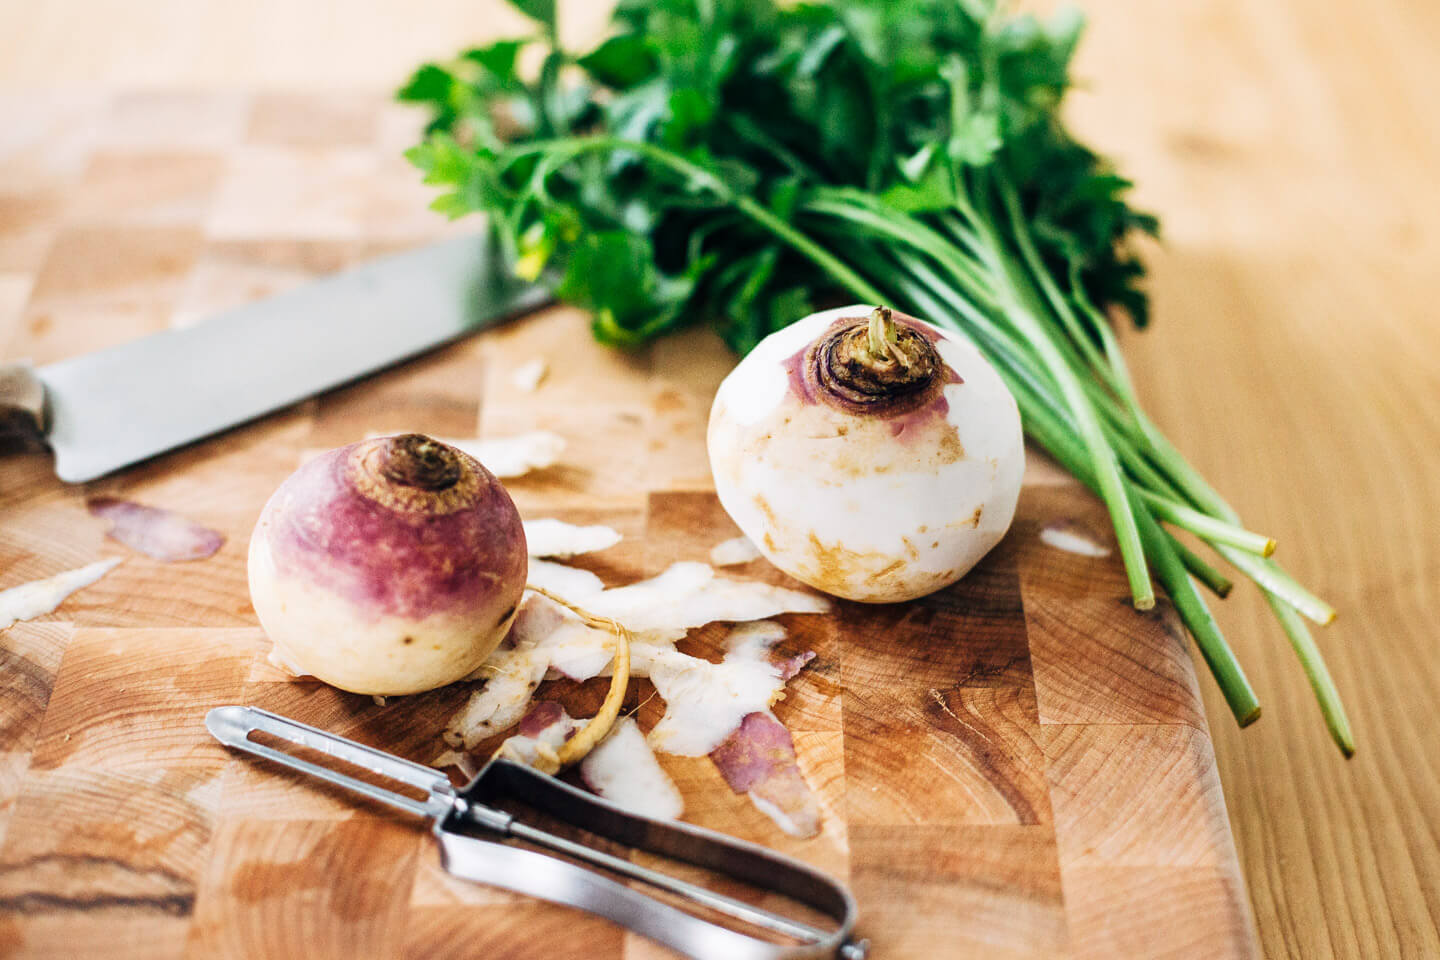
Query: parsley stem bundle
(735,161)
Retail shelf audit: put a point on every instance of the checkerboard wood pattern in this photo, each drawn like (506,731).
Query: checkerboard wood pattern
(1018,766)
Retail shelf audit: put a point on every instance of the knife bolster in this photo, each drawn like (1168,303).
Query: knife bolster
(22,409)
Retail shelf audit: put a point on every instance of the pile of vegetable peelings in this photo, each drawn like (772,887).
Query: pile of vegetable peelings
(743,163)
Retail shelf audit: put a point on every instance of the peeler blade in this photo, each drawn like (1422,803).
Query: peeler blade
(233,726)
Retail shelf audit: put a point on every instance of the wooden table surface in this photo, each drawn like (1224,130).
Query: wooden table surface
(1291,149)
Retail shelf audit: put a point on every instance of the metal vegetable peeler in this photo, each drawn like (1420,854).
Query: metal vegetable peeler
(464,817)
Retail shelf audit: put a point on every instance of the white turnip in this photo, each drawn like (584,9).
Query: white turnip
(867,453)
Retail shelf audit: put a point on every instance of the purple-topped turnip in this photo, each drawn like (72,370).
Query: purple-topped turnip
(867,453)
(389,566)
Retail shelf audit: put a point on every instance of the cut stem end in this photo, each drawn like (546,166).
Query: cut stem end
(880,331)
(874,366)
(415,460)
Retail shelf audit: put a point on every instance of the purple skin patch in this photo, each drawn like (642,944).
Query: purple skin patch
(795,373)
(386,560)
(759,759)
(793,665)
(541,716)
(936,409)
(161,534)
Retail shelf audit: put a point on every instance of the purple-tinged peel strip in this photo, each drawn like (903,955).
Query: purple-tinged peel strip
(544,715)
(544,728)
(161,534)
(790,666)
(759,759)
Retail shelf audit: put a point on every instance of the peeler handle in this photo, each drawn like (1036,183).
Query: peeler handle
(558,881)
(233,725)
(562,882)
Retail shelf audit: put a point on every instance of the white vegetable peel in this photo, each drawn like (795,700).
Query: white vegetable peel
(1072,538)
(705,702)
(509,457)
(544,638)
(39,597)
(572,583)
(527,376)
(547,537)
(688,594)
(721,709)
(623,770)
(734,552)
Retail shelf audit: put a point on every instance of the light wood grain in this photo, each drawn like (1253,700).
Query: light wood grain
(1296,358)
(1290,147)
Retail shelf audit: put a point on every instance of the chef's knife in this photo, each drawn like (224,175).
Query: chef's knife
(103,411)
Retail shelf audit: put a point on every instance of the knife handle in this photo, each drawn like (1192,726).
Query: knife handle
(22,408)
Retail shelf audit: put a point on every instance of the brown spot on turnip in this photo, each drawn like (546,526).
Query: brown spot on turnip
(890,568)
(764,506)
(668,401)
(408,640)
(836,569)
(971,521)
(949,449)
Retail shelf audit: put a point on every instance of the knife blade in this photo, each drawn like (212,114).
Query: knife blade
(102,411)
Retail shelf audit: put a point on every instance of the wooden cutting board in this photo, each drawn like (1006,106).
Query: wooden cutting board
(1018,766)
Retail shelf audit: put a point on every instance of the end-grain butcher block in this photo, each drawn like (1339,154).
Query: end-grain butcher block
(1017,766)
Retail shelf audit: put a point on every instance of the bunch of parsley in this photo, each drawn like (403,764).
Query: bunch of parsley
(743,162)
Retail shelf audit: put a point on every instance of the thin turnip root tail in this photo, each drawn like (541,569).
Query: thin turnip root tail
(575,749)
